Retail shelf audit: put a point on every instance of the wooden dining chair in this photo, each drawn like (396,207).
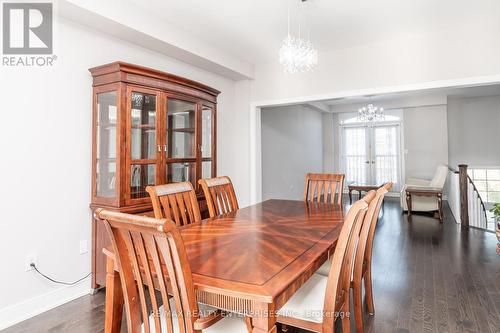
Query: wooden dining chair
(322,300)
(220,196)
(322,187)
(176,201)
(362,262)
(150,252)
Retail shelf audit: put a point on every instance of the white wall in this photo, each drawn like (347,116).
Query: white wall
(473,129)
(46,162)
(329,141)
(425,139)
(465,53)
(292,146)
(454,52)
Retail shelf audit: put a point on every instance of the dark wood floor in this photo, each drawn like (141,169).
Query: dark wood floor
(428,277)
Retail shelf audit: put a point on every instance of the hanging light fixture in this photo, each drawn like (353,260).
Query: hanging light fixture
(297,54)
(371,113)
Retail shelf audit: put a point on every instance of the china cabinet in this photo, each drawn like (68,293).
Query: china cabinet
(149,127)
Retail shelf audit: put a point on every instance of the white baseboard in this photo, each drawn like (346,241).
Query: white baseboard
(16,313)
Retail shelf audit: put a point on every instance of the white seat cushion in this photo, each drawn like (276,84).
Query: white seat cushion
(231,323)
(325,268)
(307,303)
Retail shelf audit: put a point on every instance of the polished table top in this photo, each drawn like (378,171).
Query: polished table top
(261,249)
(263,252)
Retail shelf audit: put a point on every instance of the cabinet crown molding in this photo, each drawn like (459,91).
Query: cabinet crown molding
(110,73)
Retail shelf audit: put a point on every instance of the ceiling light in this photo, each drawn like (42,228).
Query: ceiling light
(297,54)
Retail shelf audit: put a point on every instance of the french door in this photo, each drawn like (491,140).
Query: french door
(371,154)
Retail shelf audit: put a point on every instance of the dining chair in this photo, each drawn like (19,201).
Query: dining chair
(322,300)
(363,257)
(150,251)
(175,201)
(220,195)
(322,187)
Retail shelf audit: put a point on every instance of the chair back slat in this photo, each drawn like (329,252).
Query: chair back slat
(176,201)
(324,187)
(371,232)
(220,195)
(143,247)
(143,262)
(370,218)
(337,288)
(157,265)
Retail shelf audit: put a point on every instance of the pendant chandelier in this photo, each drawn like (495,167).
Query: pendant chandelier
(371,113)
(297,54)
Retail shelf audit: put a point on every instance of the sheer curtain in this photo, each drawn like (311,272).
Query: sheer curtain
(372,154)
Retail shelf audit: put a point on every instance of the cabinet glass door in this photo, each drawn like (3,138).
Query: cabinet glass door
(180,140)
(143,152)
(207,141)
(106,120)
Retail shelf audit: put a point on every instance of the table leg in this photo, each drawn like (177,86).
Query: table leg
(114,299)
(350,196)
(264,320)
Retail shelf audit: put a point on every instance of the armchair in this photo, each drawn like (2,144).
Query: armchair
(425,204)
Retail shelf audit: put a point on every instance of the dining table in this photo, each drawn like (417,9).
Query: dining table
(250,261)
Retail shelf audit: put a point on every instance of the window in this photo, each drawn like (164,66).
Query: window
(487,181)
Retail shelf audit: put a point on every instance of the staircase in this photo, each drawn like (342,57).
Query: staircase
(466,203)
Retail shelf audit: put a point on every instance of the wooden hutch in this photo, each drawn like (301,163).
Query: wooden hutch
(148,127)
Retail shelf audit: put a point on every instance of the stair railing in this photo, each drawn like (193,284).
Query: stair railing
(472,208)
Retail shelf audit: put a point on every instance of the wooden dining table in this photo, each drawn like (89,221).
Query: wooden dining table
(250,261)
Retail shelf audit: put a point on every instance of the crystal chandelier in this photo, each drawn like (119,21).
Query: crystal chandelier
(296,53)
(371,113)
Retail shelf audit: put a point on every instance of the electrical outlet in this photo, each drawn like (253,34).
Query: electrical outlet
(30,258)
(84,248)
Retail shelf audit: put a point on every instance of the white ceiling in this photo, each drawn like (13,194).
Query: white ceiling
(254,29)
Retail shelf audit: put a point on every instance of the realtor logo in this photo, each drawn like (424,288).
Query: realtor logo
(27,28)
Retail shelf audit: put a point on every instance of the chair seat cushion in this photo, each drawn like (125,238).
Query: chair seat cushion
(307,303)
(325,268)
(230,323)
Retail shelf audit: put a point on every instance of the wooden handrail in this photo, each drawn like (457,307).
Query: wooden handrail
(452,170)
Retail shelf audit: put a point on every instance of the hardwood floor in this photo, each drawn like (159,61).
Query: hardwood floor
(428,277)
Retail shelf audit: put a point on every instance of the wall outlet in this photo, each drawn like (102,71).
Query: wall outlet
(30,258)
(84,246)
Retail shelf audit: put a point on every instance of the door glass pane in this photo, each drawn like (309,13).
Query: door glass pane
(143,113)
(141,175)
(106,144)
(206,169)
(386,151)
(206,131)
(180,172)
(355,154)
(180,129)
